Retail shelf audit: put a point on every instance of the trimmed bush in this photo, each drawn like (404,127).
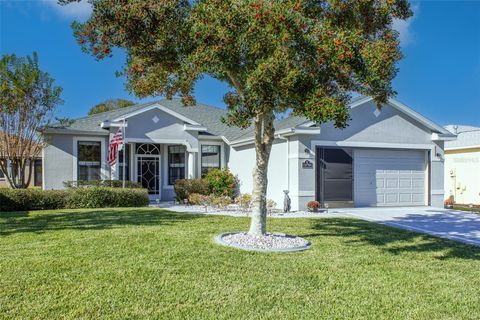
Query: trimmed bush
(31,199)
(185,187)
(222,182)
(94,197)
(102,183)
(197,199)
(271,205)
(101,197)
(244,201)
(220,202)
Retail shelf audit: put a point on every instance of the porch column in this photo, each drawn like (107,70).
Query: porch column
(191,165)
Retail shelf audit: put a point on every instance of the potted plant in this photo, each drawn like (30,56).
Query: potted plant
(449,203)
(313,206)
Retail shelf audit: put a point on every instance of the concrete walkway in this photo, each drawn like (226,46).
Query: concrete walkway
(450,224)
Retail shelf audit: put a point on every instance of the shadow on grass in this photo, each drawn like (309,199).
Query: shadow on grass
(88,219)
(392,240)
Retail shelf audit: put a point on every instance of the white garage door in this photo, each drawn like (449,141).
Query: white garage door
(389,177)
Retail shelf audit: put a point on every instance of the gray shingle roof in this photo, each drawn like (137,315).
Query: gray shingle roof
(207,116)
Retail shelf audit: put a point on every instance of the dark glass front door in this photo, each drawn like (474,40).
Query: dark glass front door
(334,175)
(148,173)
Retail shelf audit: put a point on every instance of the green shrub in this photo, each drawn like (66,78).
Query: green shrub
(94,197)
(102,197)
(220,201)
(102,183)
(244,201)
(185,187)
(31,199)
(197,199)
(222,182)
(271,205)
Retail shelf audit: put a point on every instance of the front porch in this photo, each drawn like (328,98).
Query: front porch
(156,166)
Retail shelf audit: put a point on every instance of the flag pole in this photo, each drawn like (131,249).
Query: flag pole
(124,152)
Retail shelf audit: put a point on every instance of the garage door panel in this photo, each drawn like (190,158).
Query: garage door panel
(405,183)
(389,177)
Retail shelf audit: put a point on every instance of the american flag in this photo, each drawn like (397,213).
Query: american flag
(115,141)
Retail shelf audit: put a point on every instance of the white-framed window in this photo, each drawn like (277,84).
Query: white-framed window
(210,158)
(89,160)
(176,163)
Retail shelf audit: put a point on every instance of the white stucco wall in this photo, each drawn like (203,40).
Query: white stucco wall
(242,161)
(462,176)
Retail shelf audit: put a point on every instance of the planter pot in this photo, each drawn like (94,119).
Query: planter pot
(312,209)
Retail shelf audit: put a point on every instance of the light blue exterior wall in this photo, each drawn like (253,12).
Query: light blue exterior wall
(166,128)
(388,129)
(58,161)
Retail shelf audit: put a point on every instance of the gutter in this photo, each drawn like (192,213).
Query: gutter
(284,133)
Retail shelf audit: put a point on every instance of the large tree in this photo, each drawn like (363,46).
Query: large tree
(306,56)
(28,98)
(110,104)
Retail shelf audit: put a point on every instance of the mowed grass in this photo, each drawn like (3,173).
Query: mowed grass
(154,264)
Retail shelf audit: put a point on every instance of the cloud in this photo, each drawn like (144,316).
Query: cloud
(404,27)
(75,10)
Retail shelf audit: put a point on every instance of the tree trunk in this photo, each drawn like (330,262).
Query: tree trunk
(264,136)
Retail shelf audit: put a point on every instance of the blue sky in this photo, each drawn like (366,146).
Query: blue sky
(439,76)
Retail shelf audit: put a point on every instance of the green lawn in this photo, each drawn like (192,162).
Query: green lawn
(149,263)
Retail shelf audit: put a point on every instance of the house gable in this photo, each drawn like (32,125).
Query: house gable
(369,124)
(157,126)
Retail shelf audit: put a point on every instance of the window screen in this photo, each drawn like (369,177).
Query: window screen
(176,163)
(210,158)
(89,160)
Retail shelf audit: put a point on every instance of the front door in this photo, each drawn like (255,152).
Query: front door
(148,173)
(334,177)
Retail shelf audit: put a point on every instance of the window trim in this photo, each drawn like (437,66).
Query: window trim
(220,155)
(103,156)
(185,160)
(35,172)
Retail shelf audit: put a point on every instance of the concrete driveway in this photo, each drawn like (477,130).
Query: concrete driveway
(450,224)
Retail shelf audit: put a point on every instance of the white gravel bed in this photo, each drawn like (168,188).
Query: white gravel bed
(234,210)
(268,242)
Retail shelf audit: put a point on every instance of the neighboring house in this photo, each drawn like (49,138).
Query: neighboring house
(462,165)
(387,157)
(36,172)
(36,175)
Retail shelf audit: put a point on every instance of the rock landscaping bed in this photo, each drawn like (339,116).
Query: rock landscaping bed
(234,210)
(274,242)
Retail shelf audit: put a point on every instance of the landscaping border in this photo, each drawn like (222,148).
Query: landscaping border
(219,240)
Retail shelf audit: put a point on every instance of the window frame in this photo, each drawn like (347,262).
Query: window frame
(2,175)
(169,183)
(103,157)
(219,156)
(99,162)
(37,183)
(128,148)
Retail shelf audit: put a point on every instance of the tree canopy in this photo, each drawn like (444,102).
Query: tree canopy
(304,55)
(28,99)
(111,104)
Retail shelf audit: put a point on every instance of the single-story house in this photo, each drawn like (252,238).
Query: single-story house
(13,168)
(391,156)
(36,174)
(462,165)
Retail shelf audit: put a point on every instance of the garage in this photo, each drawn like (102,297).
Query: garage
(389,177)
